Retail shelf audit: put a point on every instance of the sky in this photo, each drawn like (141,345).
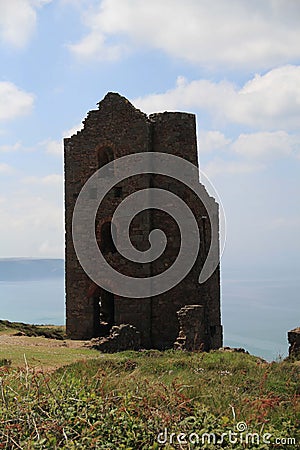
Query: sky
(234,63)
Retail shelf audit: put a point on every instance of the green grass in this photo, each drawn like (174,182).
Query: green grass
(41,347)
(122,401)
(48,331)
(44,357)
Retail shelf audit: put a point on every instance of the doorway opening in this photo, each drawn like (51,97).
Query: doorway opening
(103,312)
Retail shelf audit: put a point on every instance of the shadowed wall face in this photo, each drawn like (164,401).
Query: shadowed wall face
(114,130)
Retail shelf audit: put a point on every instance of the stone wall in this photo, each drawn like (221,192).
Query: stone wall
(118,129)
(294,341)
(122,337)
(193,331)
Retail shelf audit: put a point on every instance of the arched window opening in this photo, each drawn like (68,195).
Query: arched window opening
(107,236)
(105,156)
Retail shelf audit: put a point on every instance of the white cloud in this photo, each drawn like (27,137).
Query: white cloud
(269,101)
(219,166)
(6,169)
(76,3)
(13,101)
(10,147)
(32,219)
(266,145)
(212,140)
(54,147)
(50,249)
(55,180)
(232,33)
(73,130)
(94,45)
(18,20)
(202,94)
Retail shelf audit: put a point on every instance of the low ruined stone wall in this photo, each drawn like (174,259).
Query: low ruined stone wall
(294,341)
(192,334)
(122,337)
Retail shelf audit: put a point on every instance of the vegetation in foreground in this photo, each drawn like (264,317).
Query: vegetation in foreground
(123,401)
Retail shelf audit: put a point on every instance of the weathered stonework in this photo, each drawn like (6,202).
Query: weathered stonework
(114,130)
(294,341)
(122,337)
(193,330)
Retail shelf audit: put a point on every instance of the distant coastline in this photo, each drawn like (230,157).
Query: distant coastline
(253,313)
(30,269)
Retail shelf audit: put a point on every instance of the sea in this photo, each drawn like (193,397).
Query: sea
(257,311)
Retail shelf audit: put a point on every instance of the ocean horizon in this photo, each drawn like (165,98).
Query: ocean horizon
(257,312)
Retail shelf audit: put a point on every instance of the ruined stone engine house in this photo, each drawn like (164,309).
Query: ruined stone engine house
(186,316)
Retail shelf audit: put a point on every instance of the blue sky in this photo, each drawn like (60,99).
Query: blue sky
(235,63)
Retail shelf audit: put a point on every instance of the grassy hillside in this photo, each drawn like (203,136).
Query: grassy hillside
(40,346)
(50,331)
(123,401)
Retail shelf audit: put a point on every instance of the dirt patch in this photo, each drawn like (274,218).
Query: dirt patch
(26,341)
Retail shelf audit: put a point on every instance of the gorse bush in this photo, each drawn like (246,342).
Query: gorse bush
(136,400)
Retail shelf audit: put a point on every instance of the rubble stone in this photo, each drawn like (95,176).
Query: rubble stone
(121,337)
(294,341)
